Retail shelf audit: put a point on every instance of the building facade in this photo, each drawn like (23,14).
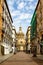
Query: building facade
(14,39)
(28,43)
(39,13)
(38,36)
(20,40)
(33,31)
(0,24)
(5,28)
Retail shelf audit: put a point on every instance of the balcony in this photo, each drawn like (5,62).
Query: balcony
(41,29)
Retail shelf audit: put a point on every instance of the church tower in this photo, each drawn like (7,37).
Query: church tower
(20,29)
(20,44)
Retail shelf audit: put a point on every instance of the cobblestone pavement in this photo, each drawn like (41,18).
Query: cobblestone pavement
(21,58)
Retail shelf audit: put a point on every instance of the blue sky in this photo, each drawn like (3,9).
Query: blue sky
(22,12)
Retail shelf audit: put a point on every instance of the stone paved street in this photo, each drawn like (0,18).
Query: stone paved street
(21,58)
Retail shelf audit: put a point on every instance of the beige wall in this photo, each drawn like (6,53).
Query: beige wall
(40,19)
(0,21)
(39,12)
(28,34)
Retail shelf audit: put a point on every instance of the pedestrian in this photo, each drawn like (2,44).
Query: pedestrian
(29,48)
(34,51)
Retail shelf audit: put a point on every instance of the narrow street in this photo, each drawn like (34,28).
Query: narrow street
(21,58)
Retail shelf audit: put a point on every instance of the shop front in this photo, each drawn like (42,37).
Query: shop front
(5,48)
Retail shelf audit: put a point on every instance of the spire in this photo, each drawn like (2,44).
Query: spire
(20,29)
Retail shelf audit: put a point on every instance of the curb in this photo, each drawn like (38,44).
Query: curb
(1,61)
(40,57)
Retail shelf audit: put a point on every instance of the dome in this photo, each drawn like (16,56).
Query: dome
(20,34)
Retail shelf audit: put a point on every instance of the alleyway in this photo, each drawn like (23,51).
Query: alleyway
(21,58)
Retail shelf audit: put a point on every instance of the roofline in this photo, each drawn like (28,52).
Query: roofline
(8,10)
(37,5)
(35,9)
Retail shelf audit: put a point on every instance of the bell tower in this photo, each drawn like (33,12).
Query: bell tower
(20,29)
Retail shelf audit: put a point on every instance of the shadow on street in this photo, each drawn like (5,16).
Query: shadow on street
(38,61)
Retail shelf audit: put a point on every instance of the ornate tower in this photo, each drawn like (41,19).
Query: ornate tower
(20,44)
(20,29)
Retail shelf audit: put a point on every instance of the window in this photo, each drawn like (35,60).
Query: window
(2,18)
(42,38)
(3,8)
(2,36)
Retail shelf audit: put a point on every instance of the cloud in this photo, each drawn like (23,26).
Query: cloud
(21,12)
(25,16)
(31,7)
(31,0)
(22,17)
(11,5)
(15,13)
(18,1)
(23,24)
(21,5)
(10,2)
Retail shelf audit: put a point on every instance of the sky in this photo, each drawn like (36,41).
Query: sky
(22,12)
